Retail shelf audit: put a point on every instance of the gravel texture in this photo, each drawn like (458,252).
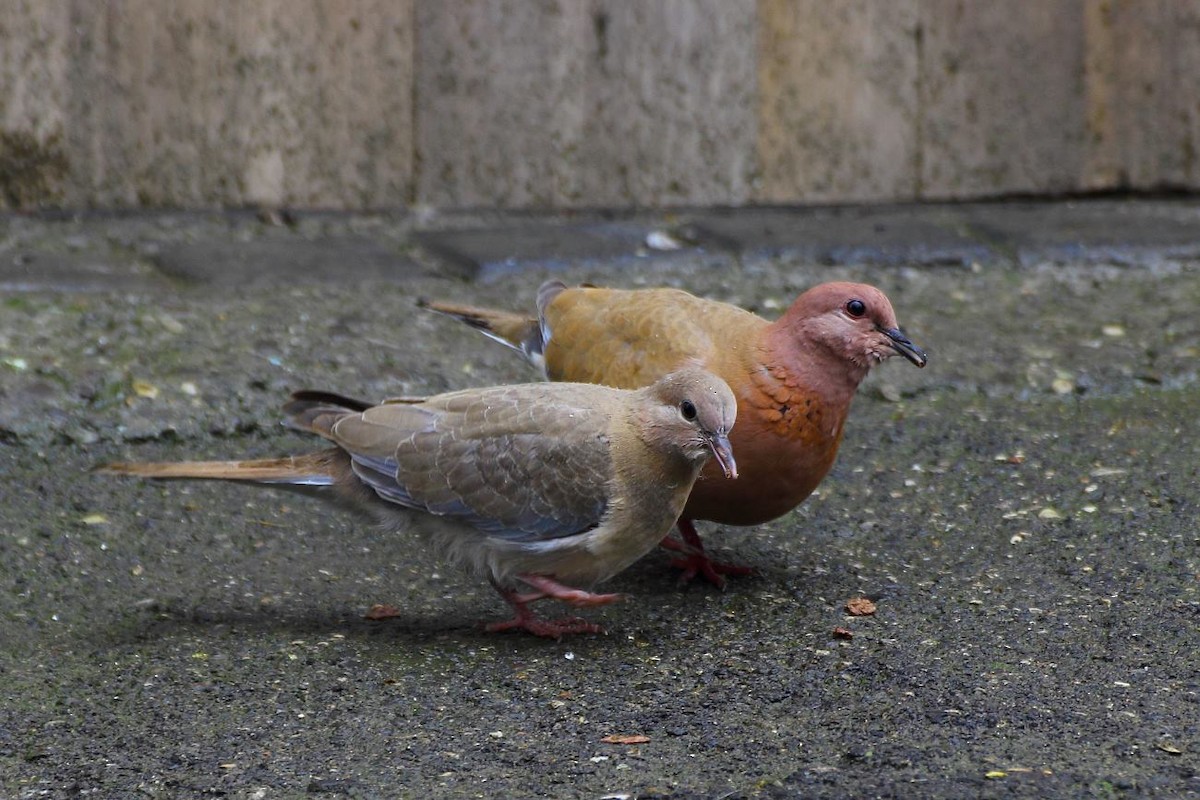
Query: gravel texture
(1023,513)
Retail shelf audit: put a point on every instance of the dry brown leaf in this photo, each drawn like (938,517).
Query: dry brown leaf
(381,611)
(625,738)
(859,607)
(843,633)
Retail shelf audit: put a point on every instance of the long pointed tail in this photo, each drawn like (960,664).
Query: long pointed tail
(313,469)
(518,331)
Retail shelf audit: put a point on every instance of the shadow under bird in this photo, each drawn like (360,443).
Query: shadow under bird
(794,378)
(543,489)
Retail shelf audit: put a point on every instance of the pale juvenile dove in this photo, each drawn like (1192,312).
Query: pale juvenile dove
(793,378)
(544,489)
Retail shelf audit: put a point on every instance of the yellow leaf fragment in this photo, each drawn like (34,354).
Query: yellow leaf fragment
(145,389)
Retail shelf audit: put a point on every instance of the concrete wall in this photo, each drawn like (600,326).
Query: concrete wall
(583,103)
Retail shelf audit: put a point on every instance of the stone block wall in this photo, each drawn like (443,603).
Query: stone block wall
(356,104)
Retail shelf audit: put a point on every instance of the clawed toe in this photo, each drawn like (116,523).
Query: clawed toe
(695,561)
(547,588)
(714,572)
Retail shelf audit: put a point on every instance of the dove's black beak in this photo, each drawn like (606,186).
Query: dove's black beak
(902,345)
(722,451)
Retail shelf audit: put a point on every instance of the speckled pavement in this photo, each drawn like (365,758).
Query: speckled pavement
(1023,513)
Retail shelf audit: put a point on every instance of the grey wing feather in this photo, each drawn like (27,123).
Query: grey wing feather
(519,467)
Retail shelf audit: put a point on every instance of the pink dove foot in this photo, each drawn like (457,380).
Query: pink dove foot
(695,560)
(547,588)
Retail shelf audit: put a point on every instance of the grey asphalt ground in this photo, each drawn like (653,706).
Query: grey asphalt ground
(1023,512)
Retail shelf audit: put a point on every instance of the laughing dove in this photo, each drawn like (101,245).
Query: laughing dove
(540,488)
(794,378)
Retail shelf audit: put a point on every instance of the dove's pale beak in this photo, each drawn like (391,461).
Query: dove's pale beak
(902,345)
(723,452)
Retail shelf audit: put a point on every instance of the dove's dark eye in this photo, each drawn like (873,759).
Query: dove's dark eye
(688,409)
(856,308)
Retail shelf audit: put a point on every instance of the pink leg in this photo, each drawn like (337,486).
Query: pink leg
(549,588)
(695,561)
